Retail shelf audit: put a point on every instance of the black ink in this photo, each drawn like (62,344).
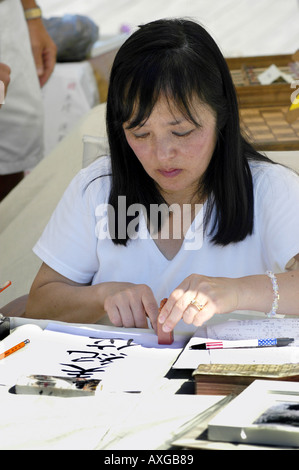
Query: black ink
(103,359)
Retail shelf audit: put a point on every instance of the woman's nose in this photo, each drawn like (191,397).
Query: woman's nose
(164,149)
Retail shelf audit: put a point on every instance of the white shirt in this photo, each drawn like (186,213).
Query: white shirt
(74,244)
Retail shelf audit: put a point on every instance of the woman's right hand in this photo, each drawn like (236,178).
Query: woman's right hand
(129,305)
(56,297)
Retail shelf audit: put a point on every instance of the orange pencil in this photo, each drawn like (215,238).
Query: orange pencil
(7,284)
(14,349)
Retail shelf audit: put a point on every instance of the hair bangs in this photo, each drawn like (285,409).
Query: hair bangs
(159,77)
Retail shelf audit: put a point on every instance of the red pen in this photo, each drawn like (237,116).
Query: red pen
(5,286)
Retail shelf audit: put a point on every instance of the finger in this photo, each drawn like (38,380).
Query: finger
(49,60)
(174,308)
(170,303)
(151,308)
(5,72)
(189,315)
(204,315)
(201,318)
(197,305)
(127,316)
(194,309)
(114,316)
(38,59)
(139,314)
(187,307)
(4,81)
(5,68)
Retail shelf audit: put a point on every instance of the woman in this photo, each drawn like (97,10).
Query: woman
(184,207)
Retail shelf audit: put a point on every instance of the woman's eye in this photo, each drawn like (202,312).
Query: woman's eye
(176,134)
(183,134)
(140,136)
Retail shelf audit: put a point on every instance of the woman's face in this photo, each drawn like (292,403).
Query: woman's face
(173,150)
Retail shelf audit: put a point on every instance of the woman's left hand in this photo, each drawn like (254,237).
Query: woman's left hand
(210,295)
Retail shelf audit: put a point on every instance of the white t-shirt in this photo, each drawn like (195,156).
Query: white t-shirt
(74,242)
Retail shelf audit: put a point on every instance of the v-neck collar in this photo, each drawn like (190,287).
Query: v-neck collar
(196,227)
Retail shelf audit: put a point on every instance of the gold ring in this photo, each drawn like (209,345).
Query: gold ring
(197,304)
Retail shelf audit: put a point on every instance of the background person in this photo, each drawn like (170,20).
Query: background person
(28,50)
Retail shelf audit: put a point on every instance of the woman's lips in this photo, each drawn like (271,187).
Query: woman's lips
(170,173)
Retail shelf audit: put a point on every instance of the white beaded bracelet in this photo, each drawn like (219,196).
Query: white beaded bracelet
(273,311)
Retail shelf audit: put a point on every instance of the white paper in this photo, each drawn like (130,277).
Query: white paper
(237,422)
(146,338)
(69,94)
(272,73)
(121,363)
(252,329)
(243,329)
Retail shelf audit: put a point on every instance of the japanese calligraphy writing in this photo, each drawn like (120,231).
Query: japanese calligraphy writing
(98,355)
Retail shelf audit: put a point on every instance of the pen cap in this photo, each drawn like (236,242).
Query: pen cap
(284,341)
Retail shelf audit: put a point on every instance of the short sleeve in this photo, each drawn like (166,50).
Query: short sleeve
(69,244)
(277,219)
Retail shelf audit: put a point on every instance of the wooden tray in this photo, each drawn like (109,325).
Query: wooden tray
(267,128)
(251,93)
(263,108)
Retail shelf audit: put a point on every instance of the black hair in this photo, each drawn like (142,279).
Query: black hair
(178,59)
